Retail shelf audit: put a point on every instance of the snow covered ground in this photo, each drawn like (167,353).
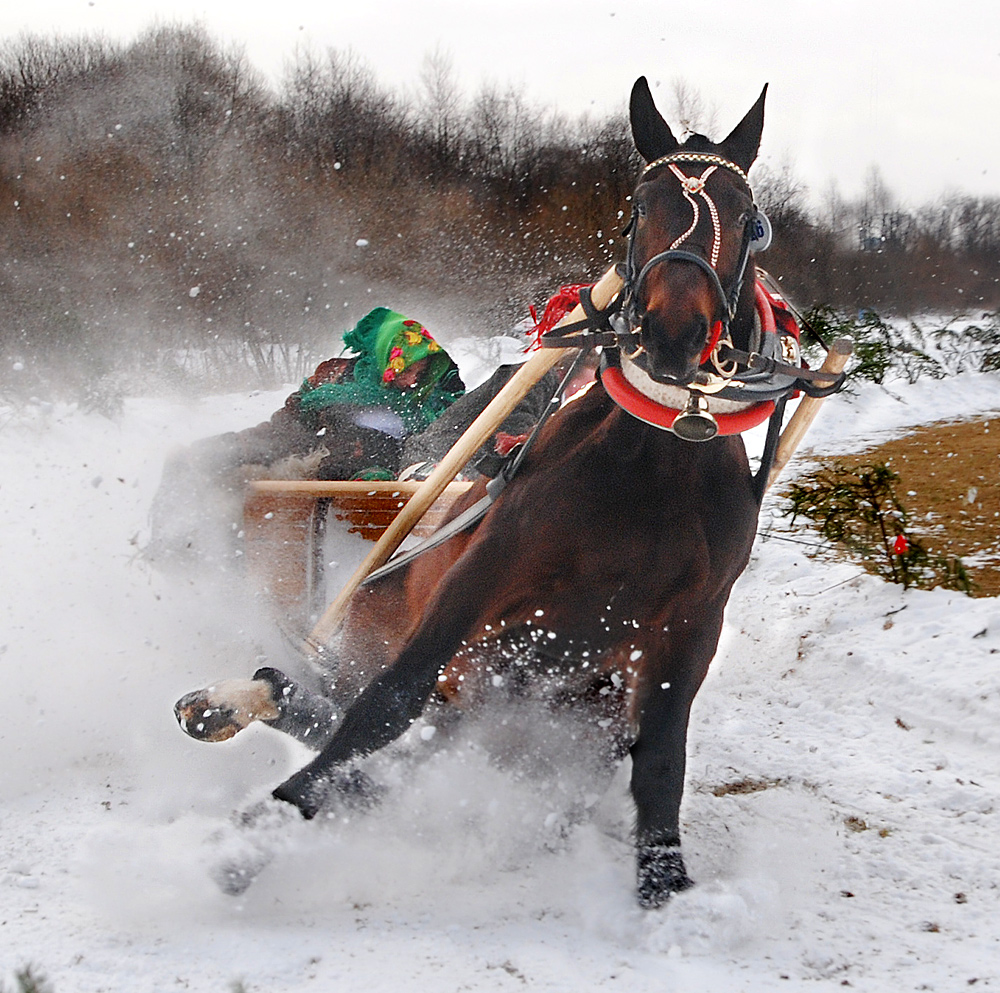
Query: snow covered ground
(868,717)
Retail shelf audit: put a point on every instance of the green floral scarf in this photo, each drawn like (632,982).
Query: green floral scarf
(387,343)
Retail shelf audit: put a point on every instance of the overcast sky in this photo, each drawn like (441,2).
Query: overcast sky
(913,87)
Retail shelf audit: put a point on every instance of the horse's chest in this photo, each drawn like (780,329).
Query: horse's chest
(657,547)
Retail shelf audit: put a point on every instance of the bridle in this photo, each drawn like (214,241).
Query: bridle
(618,325)
(631,314)
(754,380)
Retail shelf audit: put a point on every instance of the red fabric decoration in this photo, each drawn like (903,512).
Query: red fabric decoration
(559,305)
(713,340)
(773,314)
(900,546)
(773,308)
(506,443)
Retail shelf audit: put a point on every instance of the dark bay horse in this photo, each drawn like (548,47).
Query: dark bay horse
(607,562)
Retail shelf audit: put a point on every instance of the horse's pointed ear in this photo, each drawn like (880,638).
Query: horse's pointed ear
(650,132)
(743,142)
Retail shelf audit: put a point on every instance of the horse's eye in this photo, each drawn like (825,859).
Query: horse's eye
(639,209)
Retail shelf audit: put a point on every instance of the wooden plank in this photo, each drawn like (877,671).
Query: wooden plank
(280,520)
(335,489)
(368,507)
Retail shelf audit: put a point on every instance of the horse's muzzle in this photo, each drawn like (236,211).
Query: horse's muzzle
(672,351)
(664,369)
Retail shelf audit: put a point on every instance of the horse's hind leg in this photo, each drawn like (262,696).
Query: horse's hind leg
(219,712)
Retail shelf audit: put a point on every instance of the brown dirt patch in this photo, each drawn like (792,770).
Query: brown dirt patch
(950,486)
(744,786)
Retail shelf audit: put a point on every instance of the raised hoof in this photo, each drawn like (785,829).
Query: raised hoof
(661,873)
(217,713)
(203,720)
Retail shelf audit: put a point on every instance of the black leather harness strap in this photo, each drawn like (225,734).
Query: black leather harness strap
(770,448)
(596,327)
(475,513)
(805,378)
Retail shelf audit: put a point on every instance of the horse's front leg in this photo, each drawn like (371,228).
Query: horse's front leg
(397,696)
(658,763)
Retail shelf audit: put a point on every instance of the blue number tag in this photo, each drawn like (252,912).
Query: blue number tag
(760,231)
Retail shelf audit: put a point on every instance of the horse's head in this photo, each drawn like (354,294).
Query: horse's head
(692,221)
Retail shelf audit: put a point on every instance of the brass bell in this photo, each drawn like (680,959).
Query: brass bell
(694,422)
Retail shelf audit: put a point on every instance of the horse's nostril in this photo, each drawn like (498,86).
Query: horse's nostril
(674,348)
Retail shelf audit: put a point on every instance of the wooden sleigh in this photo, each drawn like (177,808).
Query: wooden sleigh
(285,521)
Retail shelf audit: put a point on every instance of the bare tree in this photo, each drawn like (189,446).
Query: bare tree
(692,111)
(781,194)
(506,139)
(882,223)
(835,216)
(440,111)
(341,117)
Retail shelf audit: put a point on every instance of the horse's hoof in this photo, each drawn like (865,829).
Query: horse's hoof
(304,790)
(219,712)
(248,845)
(203,720)
(661,873)
(311,791)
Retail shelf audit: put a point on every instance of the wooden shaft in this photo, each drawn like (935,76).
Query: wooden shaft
(808,408)
(516,388)
(319,488)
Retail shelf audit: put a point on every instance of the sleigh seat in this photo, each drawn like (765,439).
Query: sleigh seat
(285,522)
